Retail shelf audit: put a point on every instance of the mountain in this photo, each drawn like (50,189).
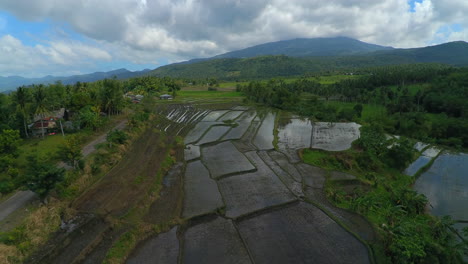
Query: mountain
(303,47)
(12,82)
(452,53)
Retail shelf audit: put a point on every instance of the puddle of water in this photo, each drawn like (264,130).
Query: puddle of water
(255,191)
(214,115)
(214,134)
(230,115)
(197,132)
(431,152)
(300,234)
(224,158)
(419,146)
(334,136)
(201,192)
(293,136)
(216,241)
(191,152)
(243,125)
(445,185)
(163,248)
(417,165)
(264,138)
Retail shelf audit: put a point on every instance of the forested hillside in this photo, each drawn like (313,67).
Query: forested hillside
(455,54)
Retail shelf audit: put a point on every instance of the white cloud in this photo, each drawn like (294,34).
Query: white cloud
(57,57)
(144,31)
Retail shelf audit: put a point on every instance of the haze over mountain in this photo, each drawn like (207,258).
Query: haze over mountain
(282,58)
(12,82)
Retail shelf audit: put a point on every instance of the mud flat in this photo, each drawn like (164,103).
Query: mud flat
(163,248)
(264,138)
(214,115)
(191,152)
(251,192)
(334,136)
(294,136)
(213,134)
(243,122)
(197,132)
(201,192)
(300,234)
(216,241)
(231,115)
(224,159)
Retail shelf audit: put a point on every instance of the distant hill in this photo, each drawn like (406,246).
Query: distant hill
(12,82)
(453,53)
(302,47)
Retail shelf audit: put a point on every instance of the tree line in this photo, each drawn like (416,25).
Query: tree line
(426,102)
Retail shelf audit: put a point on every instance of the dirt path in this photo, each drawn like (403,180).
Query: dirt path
(90,147)
(15,202)
(22,198)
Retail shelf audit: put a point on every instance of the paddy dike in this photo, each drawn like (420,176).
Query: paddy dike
(245,202)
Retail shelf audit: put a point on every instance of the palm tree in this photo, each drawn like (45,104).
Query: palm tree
(41,109)
(21,97)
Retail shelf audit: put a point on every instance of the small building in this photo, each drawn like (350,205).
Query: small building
(48,122)
(46,125)
(166,97)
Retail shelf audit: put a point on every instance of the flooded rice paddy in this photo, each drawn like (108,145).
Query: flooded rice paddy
(445,185)
(244,201)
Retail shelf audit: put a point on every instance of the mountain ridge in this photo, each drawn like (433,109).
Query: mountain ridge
(12,82)
(451,53)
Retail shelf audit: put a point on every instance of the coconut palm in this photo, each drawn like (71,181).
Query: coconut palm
(41,107)
(21,98)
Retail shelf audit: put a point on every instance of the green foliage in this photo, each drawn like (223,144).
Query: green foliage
(9,142)
(43,177)
(88,117)
(372,140)
(116,137)
(70,151)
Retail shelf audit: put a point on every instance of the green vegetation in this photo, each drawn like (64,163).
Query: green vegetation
(434,110)
(256,67)
(385,197)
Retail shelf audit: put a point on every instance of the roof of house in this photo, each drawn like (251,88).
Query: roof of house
(57,114)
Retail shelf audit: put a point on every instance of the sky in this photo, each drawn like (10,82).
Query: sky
(66,37)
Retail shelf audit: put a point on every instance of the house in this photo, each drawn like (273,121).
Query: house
(47,123)
(165,97)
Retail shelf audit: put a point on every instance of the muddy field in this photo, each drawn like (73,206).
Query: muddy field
(232,198)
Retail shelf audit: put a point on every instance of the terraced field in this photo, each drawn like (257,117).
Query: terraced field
(231,197)
(245,202)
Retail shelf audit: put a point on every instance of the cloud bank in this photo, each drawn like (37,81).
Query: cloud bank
(145,31)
